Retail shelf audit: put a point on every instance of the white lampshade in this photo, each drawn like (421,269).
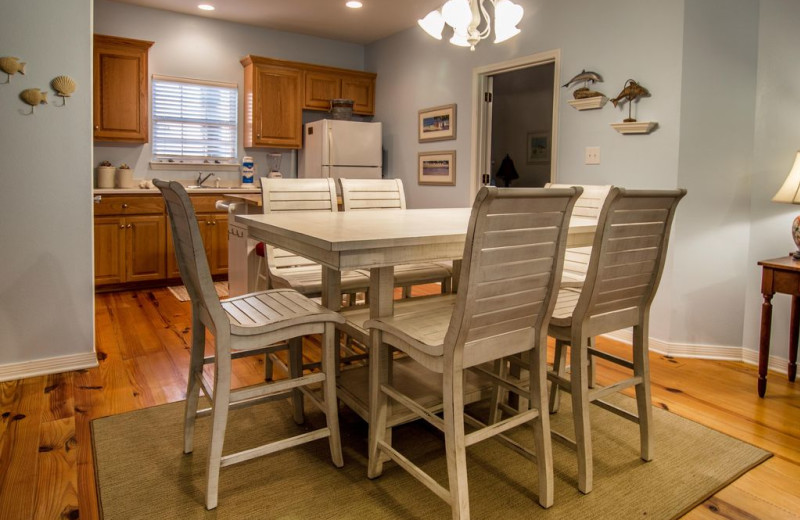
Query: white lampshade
(506,17)
(433,24)
(790,191)
(457,14)
(459,39)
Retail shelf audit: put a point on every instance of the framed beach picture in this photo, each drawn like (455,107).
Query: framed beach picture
(437,123)
(437,168)
(538,147)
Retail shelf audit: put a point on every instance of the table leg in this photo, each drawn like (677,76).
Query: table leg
(763,348)
(331,288)
(381,291)
(793,337)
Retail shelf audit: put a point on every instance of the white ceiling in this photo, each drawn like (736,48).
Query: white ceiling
(323,18)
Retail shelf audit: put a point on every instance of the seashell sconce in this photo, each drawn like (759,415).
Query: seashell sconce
(64,87)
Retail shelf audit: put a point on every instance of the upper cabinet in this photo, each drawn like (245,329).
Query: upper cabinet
(276,92)
(120,89)
(273,114)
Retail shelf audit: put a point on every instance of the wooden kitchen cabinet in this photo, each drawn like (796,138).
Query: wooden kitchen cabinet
(213,226)
(361,89)
(121,94)
(273,114)
(129,240)
(322,84)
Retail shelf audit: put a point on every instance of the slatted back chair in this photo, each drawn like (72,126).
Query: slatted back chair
(372,194)
(285,268)
(255,323)
(624,271)
(377,194)
(576,259)
(510,271)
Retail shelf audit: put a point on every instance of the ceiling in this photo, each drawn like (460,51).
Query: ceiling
(324,18)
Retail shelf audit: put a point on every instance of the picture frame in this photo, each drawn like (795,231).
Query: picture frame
(437,123)
(437,168)
(538,147)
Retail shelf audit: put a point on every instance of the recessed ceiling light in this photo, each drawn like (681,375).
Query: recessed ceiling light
(354,4)
(206,7)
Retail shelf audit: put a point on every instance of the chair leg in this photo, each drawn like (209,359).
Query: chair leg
(329,394)
(295,371)
(446,287)
(498,392)
(378,402)
(579,387)
(560,368)
(454,445)
(268,369)
(590,365)
(406,291)
(541,426)
(219,421)
(193,385)
(641,368)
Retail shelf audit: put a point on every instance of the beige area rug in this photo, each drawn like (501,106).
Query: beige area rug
(141,472)
(182,294)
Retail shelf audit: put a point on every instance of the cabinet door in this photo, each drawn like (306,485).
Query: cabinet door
(277,118)
(172,260)
(218,259)
(145,248)
(120,89)
(109,250)
(362,91)
(320,88)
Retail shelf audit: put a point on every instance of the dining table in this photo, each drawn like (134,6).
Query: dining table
(375,240)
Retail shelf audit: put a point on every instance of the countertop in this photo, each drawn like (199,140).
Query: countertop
(201,191)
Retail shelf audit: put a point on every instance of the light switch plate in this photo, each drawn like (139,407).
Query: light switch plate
(592,155)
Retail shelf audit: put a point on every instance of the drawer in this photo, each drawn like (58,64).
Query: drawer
(129,205)
(206,203)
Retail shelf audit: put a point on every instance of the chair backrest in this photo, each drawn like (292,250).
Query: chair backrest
(510,271)
(279,195)
(628,256)
(576,259)
(191,254)
(372,194)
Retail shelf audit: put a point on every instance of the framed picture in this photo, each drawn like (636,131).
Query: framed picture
(437,123)
(538,147)
(437,168)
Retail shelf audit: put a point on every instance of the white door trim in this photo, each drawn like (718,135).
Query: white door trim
(480,117)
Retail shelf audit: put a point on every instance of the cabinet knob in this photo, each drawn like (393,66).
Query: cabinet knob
(97,127)
(124,206)
(129,226)
(213,222)
(122,226)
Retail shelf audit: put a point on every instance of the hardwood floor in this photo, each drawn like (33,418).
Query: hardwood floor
(46,467)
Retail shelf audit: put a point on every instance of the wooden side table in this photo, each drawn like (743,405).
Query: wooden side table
(780,275)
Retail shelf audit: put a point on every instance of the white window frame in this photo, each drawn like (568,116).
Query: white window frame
(181,162)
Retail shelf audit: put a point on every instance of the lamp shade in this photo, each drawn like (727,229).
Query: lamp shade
(789,193)
(433,24)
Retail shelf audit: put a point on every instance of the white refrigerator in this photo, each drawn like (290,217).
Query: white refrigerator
(336,149)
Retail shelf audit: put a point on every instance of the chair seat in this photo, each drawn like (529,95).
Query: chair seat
(262,312)
(307,279)
(565,304)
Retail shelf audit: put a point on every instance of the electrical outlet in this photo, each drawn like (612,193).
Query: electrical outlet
(592,155)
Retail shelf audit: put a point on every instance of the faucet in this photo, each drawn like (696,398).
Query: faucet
(201,179)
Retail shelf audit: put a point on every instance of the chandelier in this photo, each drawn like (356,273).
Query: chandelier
(466,18)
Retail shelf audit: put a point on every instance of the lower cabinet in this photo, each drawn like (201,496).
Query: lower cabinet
(133,242)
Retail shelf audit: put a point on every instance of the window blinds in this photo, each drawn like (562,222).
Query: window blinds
(194,121)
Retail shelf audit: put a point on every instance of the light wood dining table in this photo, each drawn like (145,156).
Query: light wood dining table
(375,240)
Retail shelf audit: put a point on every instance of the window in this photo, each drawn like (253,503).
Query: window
(194,121)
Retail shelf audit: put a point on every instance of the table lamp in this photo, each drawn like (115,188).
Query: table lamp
(790,194)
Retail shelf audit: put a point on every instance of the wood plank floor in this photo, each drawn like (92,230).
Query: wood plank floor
(46,467)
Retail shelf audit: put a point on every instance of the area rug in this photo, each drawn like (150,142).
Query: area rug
(180,292)
(142,473)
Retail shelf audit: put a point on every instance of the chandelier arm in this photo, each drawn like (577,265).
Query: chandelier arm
(486,30)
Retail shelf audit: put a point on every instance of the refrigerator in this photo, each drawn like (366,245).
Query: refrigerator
(336,148)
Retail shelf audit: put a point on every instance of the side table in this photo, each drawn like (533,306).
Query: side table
(780,275)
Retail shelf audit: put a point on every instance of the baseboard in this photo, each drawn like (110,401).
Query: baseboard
(685,350)
(53,365)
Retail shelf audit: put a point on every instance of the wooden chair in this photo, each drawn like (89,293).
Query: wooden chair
(255,323)
(287,269)
(576,259)
(512,262)
(360,194)
(625,268)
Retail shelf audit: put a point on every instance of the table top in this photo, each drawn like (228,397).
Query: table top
(786,263)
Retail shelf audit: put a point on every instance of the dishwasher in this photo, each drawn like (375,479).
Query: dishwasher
(242,260)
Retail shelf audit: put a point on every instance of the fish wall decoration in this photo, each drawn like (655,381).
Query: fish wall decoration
(11,65)
(631,91)
(33,97)
(587,77)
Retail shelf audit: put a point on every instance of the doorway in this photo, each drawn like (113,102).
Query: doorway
(516,116)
